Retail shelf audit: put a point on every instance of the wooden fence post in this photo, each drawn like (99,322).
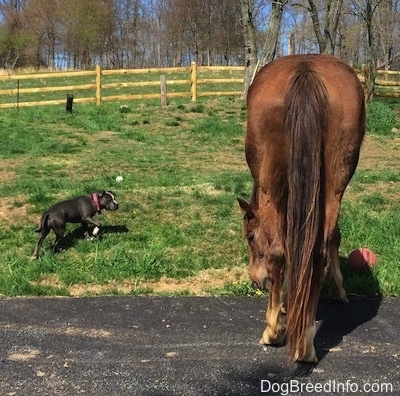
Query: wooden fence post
(193,81)
(98,85)
(163,88)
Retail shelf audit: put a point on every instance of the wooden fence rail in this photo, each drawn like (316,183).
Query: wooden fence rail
(96,89)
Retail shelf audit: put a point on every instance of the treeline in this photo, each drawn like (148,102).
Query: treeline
(164,33)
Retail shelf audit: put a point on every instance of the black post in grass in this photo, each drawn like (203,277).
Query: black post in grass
(70,100)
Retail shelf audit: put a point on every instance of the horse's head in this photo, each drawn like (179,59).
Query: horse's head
(264,254)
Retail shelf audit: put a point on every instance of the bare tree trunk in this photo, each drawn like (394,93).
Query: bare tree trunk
(272,33)
(332,24)
(326,36)
(249,34)
(292,44)
(371,68)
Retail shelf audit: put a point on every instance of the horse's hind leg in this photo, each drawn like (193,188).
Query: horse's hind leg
(310,355)
(328,257)
(336,291)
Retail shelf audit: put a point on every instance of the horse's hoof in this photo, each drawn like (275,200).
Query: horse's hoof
(311,358)
(338,299)
(278,339)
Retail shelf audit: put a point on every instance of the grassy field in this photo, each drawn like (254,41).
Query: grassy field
(178,229)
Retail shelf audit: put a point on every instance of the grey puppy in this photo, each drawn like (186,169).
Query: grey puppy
(76,210)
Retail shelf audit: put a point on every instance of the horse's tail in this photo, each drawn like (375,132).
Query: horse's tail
(306,109)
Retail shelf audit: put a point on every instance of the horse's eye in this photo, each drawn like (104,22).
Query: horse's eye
(250,238)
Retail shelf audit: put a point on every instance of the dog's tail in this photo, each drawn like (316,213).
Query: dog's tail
(43,223)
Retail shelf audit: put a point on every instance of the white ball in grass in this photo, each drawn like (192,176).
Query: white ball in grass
(119,179)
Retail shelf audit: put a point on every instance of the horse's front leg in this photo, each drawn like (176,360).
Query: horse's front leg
(274,332)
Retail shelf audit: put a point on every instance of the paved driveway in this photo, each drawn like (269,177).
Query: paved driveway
(190,346)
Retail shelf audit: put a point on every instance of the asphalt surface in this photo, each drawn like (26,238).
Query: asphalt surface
(190,346)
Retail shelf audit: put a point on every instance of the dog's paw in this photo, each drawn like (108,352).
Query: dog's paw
(87,235)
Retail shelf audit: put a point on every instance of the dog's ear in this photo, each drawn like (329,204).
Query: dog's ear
(101,193)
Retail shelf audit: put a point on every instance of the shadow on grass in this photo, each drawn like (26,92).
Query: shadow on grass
(69,240)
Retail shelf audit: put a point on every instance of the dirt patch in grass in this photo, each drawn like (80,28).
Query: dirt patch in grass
(377,154)
(199,285)
(7,172)
(11,210)
(102,136)
(7,175)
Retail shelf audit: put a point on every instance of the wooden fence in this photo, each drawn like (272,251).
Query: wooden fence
(96,89)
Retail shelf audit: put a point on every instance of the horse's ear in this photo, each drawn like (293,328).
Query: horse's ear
(245,206)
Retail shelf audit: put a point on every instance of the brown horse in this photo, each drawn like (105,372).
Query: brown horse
(305,125)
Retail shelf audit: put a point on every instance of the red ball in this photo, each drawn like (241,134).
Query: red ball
(362,258)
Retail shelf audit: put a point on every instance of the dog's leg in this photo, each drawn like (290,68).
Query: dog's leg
(59,231)
(85,229)
(43,234)
(96,228)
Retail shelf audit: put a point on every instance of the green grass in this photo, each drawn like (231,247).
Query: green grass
(183,167)
(381,117)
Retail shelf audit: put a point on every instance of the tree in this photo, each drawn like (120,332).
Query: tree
(85,26)
(149,33)
(14,38)
(269,48)
(250,43)
(125,37)
(326,35)
(41,18)
(366,10)
(272,33)
(227,43)
(387,33)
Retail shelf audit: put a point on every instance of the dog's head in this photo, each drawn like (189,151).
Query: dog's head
(107,200)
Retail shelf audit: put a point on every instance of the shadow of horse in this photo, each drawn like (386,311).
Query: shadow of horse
(70,239)
(336,320)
